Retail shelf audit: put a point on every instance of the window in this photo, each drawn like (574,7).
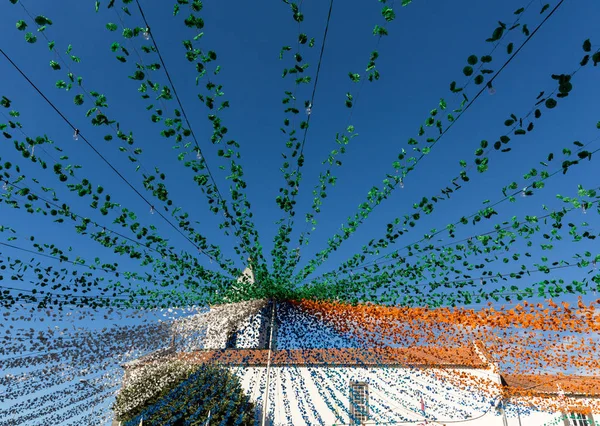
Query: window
(577,419)
(359,402)
(231,340)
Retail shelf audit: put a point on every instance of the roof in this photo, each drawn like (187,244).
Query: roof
(465,357)
(552,384)
(156,356)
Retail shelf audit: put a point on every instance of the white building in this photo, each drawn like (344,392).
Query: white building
(402,386)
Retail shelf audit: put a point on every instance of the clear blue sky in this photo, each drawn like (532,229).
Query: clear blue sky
(427,48)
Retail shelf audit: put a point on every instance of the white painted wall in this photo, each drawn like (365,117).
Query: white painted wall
(535,418)
(320,395)
(519,416)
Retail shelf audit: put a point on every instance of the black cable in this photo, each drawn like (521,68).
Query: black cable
(119,298)
(69,261)
(81,85)
(486,277)
(491,80)
(42,294)
(137,243)
(190,125)
(7,182)
(36,253)
(81,217)
(376,261)
(357,96)
(312,98)
(93,223)
(98,153)
(67,65)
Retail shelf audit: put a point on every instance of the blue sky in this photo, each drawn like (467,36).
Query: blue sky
(427,48)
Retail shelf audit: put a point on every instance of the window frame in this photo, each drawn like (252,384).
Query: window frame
(359,392)
(578,419)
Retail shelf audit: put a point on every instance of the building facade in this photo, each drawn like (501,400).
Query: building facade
(400,386)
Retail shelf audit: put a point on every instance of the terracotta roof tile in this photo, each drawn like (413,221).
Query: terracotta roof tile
(422,356)
(571,385)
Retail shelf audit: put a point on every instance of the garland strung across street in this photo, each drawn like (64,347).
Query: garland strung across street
(153,269)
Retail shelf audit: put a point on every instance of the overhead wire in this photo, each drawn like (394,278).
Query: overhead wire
(312,97)
(348,121)
(483,89)
(116,272)
(108,163)
(79,264)
(163,104)
(7,182)
(357,96)
(470,103)
(429,237)
(19,127)
(185,117)
(135,49)
(72,262)
(81,86)
(508,197)
(318,72)
(313,93)
(104,229)
(476,294)
(293,96)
